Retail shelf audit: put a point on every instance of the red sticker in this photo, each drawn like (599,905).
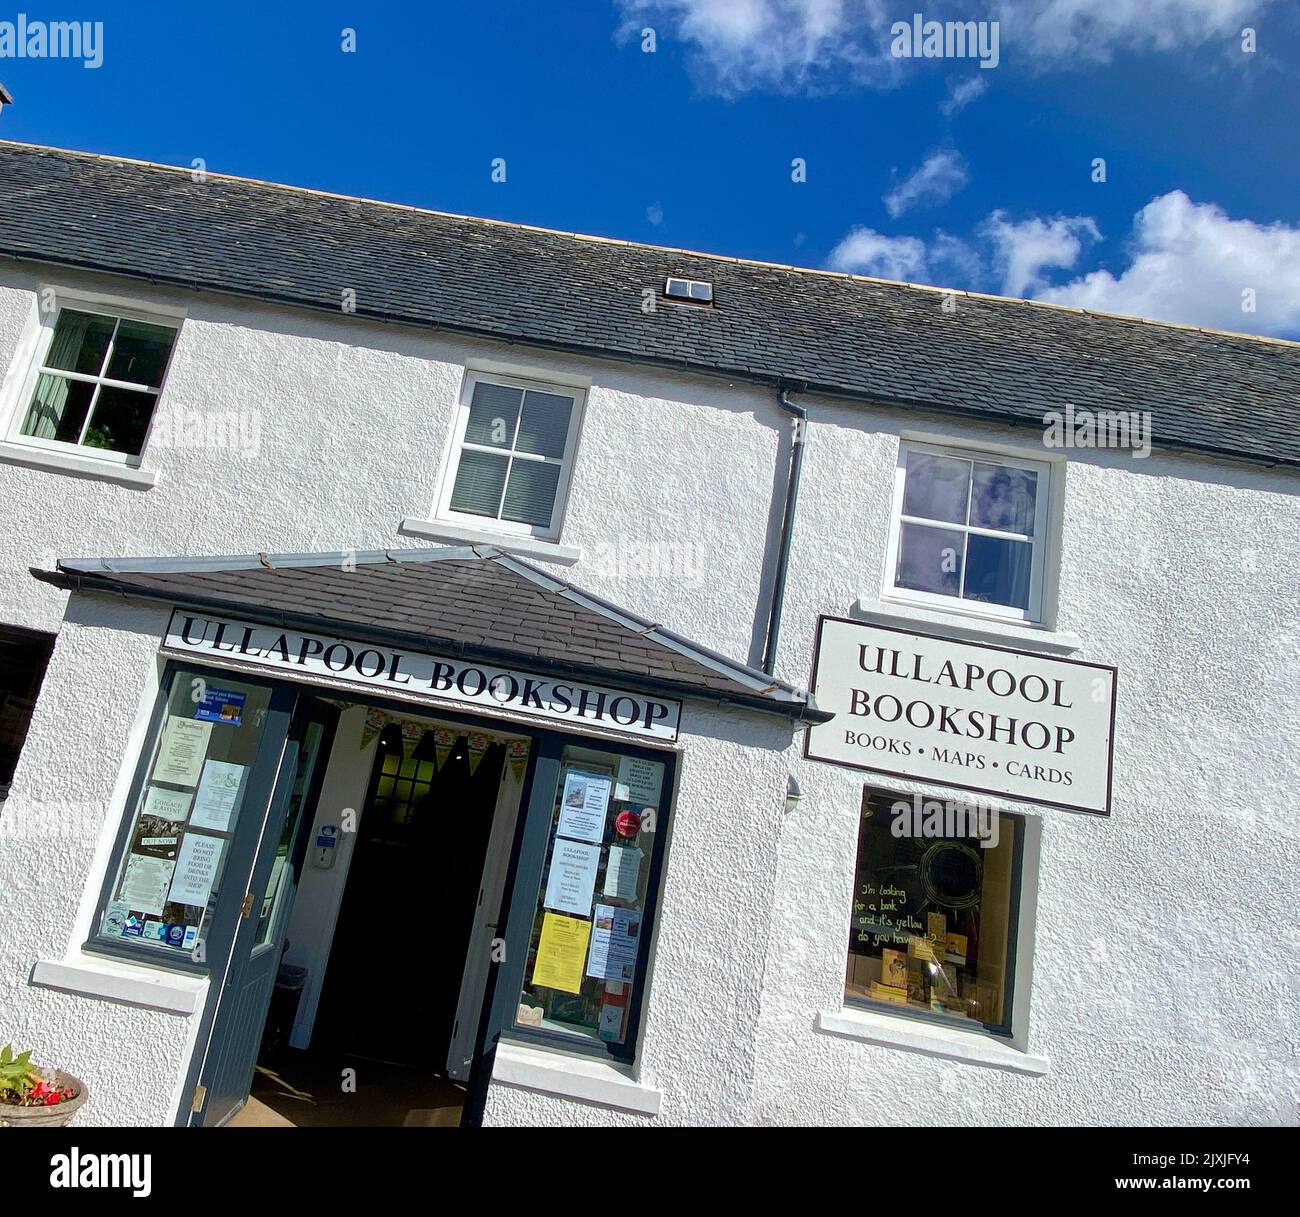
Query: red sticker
(627,823)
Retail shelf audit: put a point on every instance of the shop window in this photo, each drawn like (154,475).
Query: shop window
(589,946)
(512,456)
(95,383)
(935,906)
(23,656)
(166,875)
(969,529)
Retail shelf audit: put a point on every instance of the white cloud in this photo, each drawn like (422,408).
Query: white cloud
(655,213)
(1191,263)
(935,181)
(784,45)
(946,260)
(1023,251)
(1058,30)
(791,45)
(867,252)
(961,93)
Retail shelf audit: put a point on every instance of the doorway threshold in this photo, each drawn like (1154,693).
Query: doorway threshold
(330,1090)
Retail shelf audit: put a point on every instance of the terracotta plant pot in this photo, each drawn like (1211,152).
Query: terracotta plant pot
(47,1117)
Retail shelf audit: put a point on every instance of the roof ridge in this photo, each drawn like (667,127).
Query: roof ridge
(1211,331)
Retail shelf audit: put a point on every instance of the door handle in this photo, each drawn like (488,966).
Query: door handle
(247,906)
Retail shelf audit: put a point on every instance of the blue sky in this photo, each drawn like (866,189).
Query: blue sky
(692,144)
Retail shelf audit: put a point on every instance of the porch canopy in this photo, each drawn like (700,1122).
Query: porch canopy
(472,603)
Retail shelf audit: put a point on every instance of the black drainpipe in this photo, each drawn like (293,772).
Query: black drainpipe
(800,416)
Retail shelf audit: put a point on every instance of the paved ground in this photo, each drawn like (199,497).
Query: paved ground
(306,1090)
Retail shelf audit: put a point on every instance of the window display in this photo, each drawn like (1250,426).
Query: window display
(186,812)
(934,910)
(587,946)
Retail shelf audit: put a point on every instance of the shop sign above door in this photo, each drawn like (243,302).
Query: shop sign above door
(460,683)
(986,719)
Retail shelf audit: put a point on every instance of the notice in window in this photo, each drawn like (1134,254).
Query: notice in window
(639,781)
(622,872)
(218,796)
(583,807)
(222,706)
(196,869)
(614,939)
(561,951)
(144,883)
(572,881)
(167,804)
(180,755)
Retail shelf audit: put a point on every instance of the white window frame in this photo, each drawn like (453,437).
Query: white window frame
(103,306)
(1041,541)
(443,510)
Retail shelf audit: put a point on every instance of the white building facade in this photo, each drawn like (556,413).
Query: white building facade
(1119,963)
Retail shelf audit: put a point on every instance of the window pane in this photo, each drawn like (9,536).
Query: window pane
(479,481)
(120,421)
(937,487)
(931,926)
(79,342)
(493,415)
(189,806)
(545,424)
(530,497)
(930,559)
(140,353)
(1004,498)
(584,954)
(309,757)
(58,409)
(997,571)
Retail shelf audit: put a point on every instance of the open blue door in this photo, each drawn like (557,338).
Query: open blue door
(274,845)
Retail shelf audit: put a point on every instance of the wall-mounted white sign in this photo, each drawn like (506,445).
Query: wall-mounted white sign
(456,682)
(985,719)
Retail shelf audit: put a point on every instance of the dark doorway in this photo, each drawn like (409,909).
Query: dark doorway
(394,974)
(24,655)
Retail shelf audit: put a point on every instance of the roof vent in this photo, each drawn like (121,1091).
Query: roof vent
(693,291)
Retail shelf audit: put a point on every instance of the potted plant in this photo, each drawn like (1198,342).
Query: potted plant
(31,1097)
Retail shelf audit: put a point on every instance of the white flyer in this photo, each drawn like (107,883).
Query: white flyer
(583,805)
(218,796)
(196,869)
(572,880)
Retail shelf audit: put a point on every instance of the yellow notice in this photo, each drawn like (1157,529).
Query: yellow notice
(561,952)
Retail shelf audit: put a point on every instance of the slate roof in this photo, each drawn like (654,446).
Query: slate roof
(473,602)
(862,338)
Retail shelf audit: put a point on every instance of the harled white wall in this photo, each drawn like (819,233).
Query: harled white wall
(1157,995)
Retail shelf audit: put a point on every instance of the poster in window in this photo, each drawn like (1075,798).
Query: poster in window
(218,795)
(167,804)
(571,883)
(196,869)
(144,883)
(561,952)
(583,805)
(622,872)
(614,937)
(221,706)
(181,752)
(639,781)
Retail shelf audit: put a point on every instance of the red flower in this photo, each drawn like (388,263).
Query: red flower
(52,1098)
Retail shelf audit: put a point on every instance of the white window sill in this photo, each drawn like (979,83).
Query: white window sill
(91,976)
(909,1035)
(1003,633)
(459,534)
(573,1077)
(77,465)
